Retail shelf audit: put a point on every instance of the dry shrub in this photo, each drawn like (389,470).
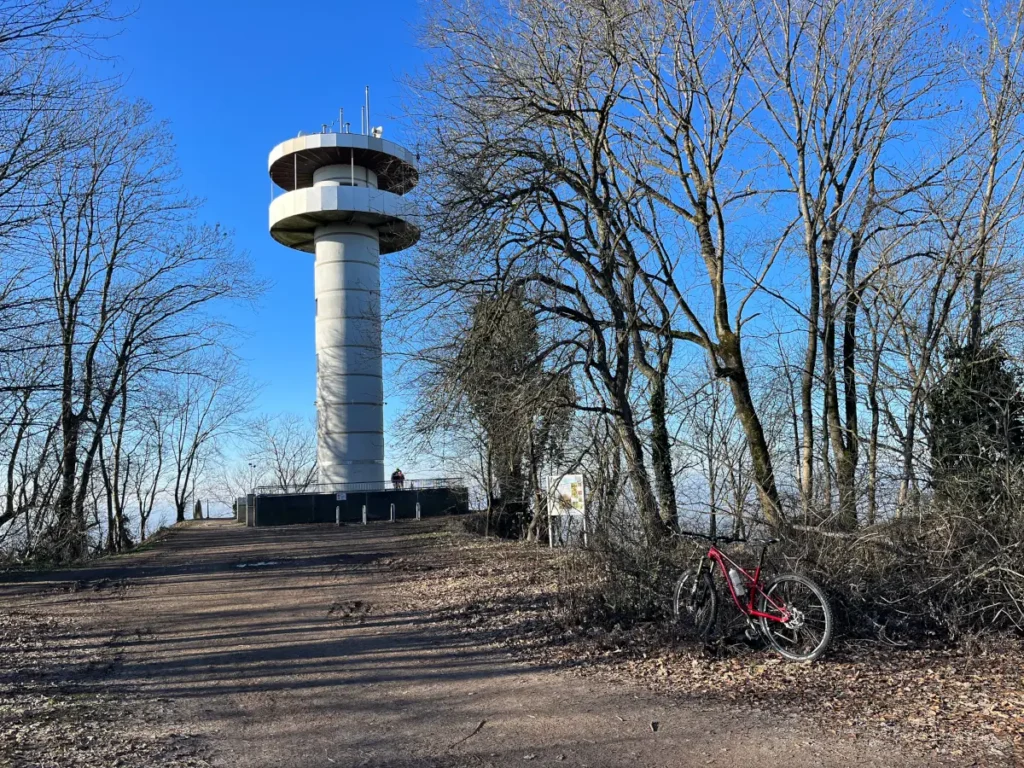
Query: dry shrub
(949,573)
(475,522)
(621,577)
(954,570)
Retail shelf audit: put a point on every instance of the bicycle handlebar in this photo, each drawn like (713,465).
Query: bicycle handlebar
(712,539)
(725,539)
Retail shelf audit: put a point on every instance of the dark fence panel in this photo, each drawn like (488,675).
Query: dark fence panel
(300,508)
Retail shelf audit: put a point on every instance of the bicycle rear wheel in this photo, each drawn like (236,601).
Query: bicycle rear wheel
(808,632)
(695,603)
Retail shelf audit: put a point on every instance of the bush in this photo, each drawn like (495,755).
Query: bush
(950,573)
(953,571)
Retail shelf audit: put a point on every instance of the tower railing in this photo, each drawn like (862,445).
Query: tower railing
(366,487)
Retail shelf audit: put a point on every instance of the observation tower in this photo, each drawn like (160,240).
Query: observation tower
(344,202)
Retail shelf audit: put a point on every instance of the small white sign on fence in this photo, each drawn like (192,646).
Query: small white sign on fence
(341,496)
(567,510)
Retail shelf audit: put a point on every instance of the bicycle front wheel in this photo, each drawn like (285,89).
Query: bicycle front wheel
(696,603)
(806,634)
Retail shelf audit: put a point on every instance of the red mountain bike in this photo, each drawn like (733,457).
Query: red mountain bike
(791,612)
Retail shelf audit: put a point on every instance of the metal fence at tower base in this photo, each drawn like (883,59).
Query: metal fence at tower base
(345,503)
(371,487)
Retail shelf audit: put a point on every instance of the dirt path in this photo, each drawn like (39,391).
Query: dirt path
(303,647)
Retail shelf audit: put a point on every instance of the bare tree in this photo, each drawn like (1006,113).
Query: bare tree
(131,278)
(839,86)
(284,447)
(109,286)
(541,239)
(147,478)
(568,145)
(205,404)
(238,475)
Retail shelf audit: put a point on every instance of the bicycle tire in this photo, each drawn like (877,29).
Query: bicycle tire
(814,633)
(695,607)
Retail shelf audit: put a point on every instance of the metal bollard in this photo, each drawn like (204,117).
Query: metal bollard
(337,515)
(392,513)
(417,510)
(364,514)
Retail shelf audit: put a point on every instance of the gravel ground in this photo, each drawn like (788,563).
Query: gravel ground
(386,645)
(57,709)
(943,704)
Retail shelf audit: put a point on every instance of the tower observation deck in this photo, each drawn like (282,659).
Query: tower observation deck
(344,202)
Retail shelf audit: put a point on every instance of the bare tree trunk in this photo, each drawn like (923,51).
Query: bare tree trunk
(109,499)
(851,432)
(71,517)
(826,461)
(490,490)
(746,412)
(807,394)
(872,393)
(845,454)
(661,455)
(120,471)
(539,508)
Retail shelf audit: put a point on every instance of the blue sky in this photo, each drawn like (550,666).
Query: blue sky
(235,78)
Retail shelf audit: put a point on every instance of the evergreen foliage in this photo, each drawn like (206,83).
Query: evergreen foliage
(520,406)
(976,415)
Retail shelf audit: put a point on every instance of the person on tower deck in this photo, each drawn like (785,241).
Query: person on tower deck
(398,479)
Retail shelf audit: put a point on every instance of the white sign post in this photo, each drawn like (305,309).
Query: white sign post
(567,510)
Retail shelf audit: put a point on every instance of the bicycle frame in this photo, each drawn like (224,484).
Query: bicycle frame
(753,583)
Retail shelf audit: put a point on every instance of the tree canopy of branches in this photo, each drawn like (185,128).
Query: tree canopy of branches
(804,201)
(110,289)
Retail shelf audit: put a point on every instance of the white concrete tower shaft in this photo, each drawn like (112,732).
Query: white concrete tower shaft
(349,374)
(347,213)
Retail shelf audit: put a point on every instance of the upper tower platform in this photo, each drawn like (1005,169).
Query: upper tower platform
(342,178)
(293,162)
